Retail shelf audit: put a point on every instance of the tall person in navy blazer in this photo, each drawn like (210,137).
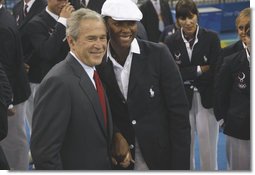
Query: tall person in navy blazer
(33,8)
(46,34)
(155,19)
(46,43)
(146,95)
(233,98)
(196,51)
(68,121)
(15,145)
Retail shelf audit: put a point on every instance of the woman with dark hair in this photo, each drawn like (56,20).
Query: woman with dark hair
(196,51)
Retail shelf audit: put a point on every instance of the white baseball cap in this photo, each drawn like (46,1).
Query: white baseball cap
(121,10)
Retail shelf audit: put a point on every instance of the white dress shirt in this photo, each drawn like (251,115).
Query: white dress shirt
(89,70)
(122,72)
(29,4)
(156,5)
(56,17)
(190,49)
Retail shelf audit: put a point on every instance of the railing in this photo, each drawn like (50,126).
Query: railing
(201,2)
(10,3)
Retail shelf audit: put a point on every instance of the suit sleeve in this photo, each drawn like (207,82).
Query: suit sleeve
(213,57)
(50,121)
(5,100)
(46,41)
(178,111)
(187,72)
(5,88)
(223,84)
(7,52)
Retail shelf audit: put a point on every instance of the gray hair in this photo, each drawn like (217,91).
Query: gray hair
(77,16)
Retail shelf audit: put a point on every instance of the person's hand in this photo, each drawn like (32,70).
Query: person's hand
(120,152)
(27,67)
(205,68)
(127,160)
(66,10)
(221,123)
(11,111)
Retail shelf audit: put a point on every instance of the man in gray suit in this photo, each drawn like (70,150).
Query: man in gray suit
(72,128)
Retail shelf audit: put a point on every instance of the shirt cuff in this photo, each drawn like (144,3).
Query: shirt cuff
(199,71)
(10,106)
(62,20)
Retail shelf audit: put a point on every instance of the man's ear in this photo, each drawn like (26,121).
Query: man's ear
(70,41)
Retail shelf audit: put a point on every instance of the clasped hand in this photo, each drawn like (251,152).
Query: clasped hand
(120,151)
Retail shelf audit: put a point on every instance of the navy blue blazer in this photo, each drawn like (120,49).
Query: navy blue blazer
(156,110)
(5,100)
(229,50)
(150,18)
(18,12)
(48,43)
(11,57)
(205,52)
(232,88)
(22,22)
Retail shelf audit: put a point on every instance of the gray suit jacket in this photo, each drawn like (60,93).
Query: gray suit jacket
(68,129)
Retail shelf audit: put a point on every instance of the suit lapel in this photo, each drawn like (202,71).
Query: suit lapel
(88,89)
(183,50)
(31,13)
(108,77)
(137,66)
(20,15)
(196,53)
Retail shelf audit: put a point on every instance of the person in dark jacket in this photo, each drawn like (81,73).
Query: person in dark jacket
(146,96)
(232,88)
(5,101)
(15,145)
(72,130)
(196,51)
(23,12)
(156,16)
(241,21)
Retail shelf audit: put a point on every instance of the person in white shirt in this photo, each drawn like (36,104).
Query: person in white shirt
(146,95)
(196,51)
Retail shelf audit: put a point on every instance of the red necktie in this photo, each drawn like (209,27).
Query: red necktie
(100,92)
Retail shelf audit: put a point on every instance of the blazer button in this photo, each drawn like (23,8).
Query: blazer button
(133,122)
(191,87)
(131,146)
